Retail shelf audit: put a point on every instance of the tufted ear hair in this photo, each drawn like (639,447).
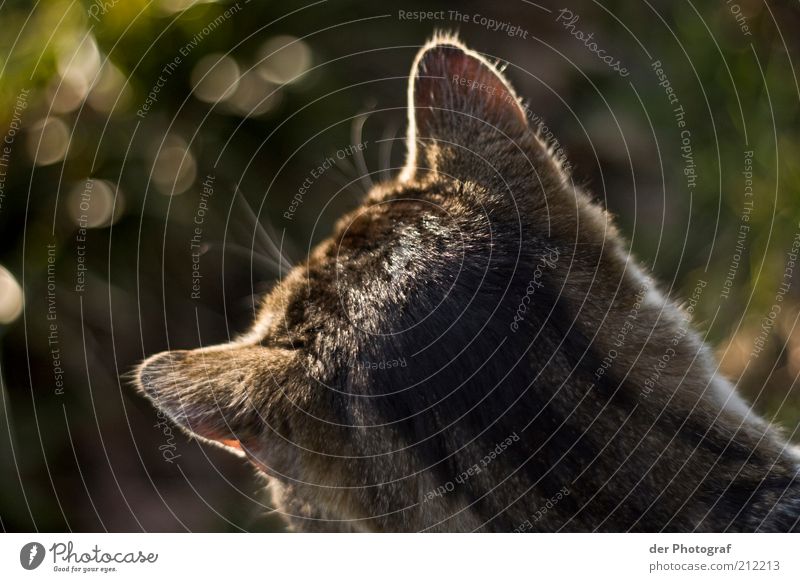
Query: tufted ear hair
(218,394)
(457,99)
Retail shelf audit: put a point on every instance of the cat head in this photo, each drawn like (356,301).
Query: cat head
(372,361)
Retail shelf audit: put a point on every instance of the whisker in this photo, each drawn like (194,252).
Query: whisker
(251,253)
(345,169)
(385,151)
(351,189)
(279,249)
(356,136)
(262,235)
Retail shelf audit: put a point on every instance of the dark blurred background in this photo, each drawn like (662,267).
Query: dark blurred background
(115,114)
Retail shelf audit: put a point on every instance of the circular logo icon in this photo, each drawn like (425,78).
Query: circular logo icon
(31,555)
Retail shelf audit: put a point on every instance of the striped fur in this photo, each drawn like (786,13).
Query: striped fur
(546,383)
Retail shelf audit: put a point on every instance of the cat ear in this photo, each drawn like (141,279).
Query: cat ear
(217,394)
(457,99)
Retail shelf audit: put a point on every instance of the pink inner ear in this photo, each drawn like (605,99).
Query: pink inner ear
(449,77)
(233,443)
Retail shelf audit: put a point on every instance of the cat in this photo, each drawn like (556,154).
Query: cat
(474,349)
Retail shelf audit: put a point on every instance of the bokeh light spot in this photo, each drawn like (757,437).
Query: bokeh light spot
(91,203)
(175,168)
(215,77)
(284,59)
(11,298)
(48,141)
